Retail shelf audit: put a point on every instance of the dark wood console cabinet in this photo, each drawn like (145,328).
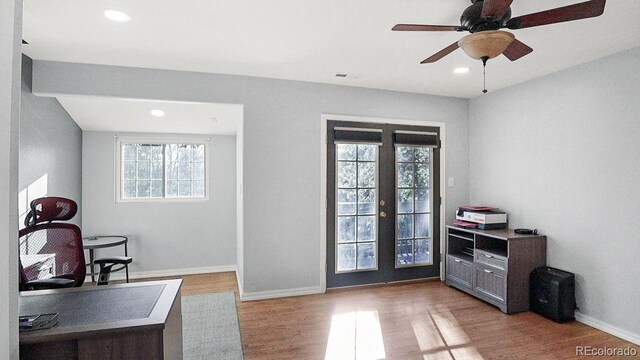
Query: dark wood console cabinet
(494,265)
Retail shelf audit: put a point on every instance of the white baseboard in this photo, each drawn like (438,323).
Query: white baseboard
(120,275)
(273,294)
(608,328)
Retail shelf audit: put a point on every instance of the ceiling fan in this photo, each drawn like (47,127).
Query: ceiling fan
(484,19)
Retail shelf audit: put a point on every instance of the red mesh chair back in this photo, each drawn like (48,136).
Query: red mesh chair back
(51,249)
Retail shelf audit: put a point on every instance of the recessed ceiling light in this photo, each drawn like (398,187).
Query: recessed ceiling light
(116,15)
(461,70)
(157,112)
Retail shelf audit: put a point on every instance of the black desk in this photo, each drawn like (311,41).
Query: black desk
(127,321)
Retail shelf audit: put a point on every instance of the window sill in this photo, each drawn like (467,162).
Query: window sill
(163,200)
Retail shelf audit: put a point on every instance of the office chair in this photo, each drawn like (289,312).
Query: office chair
(51,252)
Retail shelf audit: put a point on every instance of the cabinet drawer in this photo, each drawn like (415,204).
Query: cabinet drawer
(489,282)
(460,271)
(490,259)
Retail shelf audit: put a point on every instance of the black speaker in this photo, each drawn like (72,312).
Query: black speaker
(552,293)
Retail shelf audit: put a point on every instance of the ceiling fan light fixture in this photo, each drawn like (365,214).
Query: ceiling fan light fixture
(487,44)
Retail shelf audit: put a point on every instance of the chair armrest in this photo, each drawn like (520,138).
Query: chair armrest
(120,260)
(51,283)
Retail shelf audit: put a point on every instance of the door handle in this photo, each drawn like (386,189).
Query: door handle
(456,260)
(383,214)
(489,256)
(488,271)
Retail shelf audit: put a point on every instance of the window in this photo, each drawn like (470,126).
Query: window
(161,170)
(413,234)
(357,186)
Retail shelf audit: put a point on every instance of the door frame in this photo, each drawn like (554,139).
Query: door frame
(323,181)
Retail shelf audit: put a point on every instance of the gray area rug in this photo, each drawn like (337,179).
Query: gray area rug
(210,327)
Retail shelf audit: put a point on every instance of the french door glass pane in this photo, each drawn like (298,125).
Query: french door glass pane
(347,152)
(422,251)
(366,228)
(405,226)
(356,207)
(423,201)
(347,173)
(366,256)
(366,174)
(346,229)
(405,252)
(346,257)
(422,225)
(405,175)
(366,201)
(346,202)
(413,182)
(405,201)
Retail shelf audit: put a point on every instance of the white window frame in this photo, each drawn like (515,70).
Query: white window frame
(120,141)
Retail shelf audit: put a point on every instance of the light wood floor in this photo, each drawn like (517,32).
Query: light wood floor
(426,320)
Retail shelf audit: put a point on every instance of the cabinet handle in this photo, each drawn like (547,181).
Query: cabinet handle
(488,271)
(489,256)
(456,260)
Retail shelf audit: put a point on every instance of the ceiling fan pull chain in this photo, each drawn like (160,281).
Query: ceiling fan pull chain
(484,73)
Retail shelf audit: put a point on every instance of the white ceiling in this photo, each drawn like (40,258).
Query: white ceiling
(106,114)
(313,40)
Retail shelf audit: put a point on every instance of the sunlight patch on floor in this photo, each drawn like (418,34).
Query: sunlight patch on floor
(427,334)
(439,336)
(355,335)
(452,333)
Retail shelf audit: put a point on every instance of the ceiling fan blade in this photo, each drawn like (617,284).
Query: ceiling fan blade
(440,54)
(516,50)
(579,11)
(414,27)
(495,8)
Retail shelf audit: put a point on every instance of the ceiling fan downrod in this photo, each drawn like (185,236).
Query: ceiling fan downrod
(484,73)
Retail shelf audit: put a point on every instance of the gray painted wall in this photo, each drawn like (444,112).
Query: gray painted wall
(50,148)
(162,235)
(281,189)
(560,153)
(10,69)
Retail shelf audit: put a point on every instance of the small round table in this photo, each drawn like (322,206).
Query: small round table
(92,243)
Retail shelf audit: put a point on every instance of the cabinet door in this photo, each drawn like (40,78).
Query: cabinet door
(491,282)
(459,271)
